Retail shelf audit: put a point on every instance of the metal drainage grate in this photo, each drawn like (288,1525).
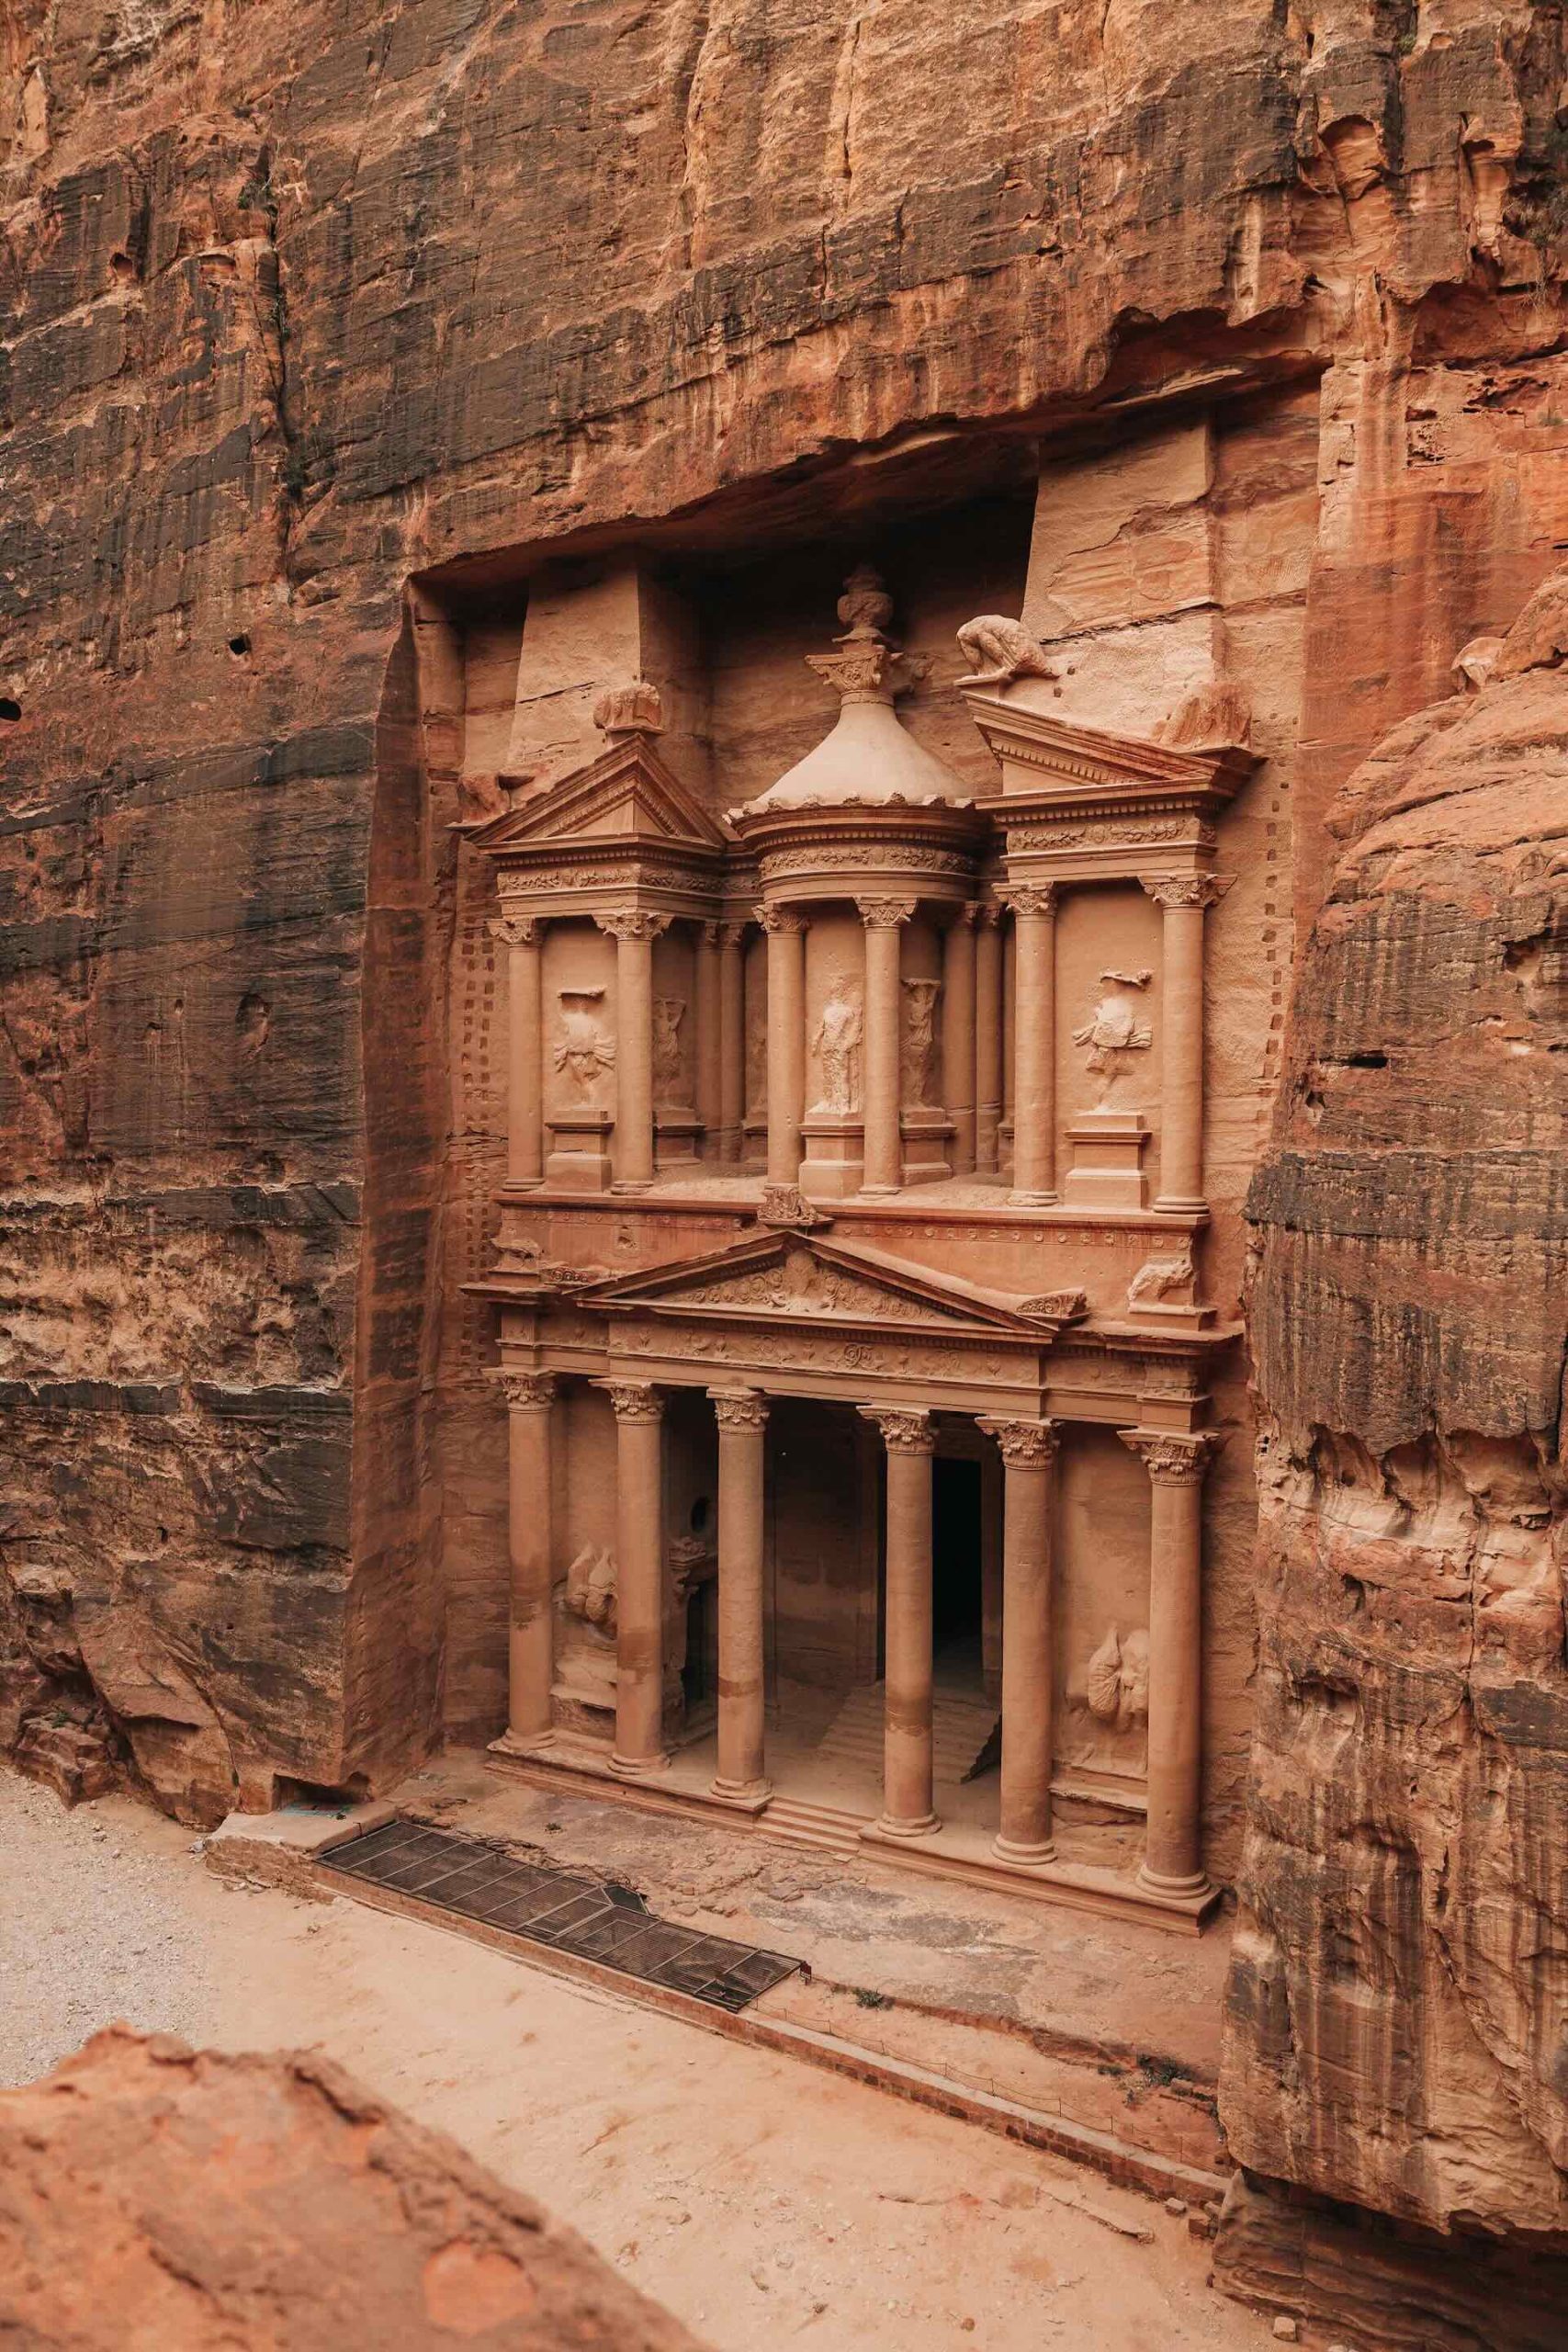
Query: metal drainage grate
(561,1908)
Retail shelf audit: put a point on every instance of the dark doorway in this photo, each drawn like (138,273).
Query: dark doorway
(956,1557)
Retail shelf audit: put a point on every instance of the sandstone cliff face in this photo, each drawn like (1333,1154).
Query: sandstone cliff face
(299,301)
(151,2194)
(1398,2007)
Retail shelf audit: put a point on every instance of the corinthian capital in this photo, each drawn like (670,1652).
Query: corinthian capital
(518,931)
(884,914)
(774,919)
(902,1431)
(633,923)
(1033,898)
(1186,890)
(739,1409)
(633,1400)
(526,1391)
(1025,1445)
(1170,1460)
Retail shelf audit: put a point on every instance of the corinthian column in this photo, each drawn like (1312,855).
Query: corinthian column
(907,1723)
(742,1417)
(640,1578)
(958,1035)
(1182,899)
(1034,1047)
(731,1041)
(987,1038)
(634,933)
(884,918)
(530,1400)
(708,1014)
(1173,1858)
(524,938)
(785,927)
(1029,1454)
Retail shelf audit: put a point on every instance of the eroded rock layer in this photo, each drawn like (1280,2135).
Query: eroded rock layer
(1398,2027)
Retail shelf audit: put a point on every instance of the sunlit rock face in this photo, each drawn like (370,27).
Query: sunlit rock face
(1398,2009)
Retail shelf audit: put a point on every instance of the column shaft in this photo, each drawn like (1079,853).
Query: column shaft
(634,935)
(786,1042)
(958,1036)
(731,1040)
(639,1580)
(988,1039)
(1028,1451)
(1173,1858)
(742,1442)
(1035,1081)
(907,1810)
(1182,900)
(531,1633)
(884,1167)
(523,936)
(708,1018)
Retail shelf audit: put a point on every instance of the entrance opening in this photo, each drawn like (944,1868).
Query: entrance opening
(955,1564)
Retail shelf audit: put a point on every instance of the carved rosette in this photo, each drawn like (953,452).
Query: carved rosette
(903,1431)
(525,1392)
(1028,899)
(1186,890)
(884,914)
(1025,1445)
(633,1400)
(633,923)
(518,931)
(773,918)
(1170,1460)
(739,1409)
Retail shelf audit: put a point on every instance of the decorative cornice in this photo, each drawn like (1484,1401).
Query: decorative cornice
(739,1409)
(633,923)
(884,914)
(526,1391)
(1025,1445)
(903,1431)
(1173,1460)
(633,1400)
(1198,890)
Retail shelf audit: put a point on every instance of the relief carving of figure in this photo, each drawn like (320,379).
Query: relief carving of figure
(837,1048)
(590,1589)
(918,1056)
(669,1072)
(756,1056)
(584,1048)
(1113,1032)
(999,650)
(1159,1278)
(1116,1681)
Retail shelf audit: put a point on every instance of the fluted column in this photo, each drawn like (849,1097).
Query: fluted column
(742,1417)
(523,937)
(706,990)
(907,1810)
(1173,1856)
(785,927)
(884,918)
(640,1577)
(731,1040)
(1034,1047)
(530,1403)
(987,1038)
(958,1036)
(1182,900)
(634,933)
(1029,1455)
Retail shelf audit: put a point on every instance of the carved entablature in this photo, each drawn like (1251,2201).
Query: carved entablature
(621,833)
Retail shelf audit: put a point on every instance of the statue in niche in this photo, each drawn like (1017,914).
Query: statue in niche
(837,1046)
(669,1072)
(756,1056)
(919,1055)
(590,1589)
(1116,1681)
(584,1048)
(1113,1033)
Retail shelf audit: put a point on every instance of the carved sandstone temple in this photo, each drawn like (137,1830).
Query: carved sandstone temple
(861,1357)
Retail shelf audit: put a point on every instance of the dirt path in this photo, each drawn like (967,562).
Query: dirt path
(765,2203)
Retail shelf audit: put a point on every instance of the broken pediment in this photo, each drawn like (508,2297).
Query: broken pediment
(626,798)
(800,1274)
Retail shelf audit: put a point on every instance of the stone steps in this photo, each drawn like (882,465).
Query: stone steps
(819,1829)
(960,1728)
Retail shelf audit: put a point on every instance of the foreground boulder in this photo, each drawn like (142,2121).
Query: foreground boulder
(153,2194)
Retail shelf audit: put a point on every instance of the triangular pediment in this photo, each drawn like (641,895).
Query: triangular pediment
(775,1275)
(628,798)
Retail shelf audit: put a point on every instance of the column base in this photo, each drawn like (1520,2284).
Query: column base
(1174,1205)
(640,1768)
(1194,1882)
(878,1191)
(1026,1857)
(632,1184)
(886,1826)
(1048,1200)
(516,1742)
(746,1796)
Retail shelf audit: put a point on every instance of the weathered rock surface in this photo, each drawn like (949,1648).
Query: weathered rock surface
(152,2194)
(1398,2004)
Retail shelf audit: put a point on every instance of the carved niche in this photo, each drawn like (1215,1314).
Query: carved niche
(835,1044)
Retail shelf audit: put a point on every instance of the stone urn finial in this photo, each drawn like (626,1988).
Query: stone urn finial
(865,607)
(867,667)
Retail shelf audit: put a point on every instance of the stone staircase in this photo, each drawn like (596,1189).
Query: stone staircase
(960,1727)
(818,1828)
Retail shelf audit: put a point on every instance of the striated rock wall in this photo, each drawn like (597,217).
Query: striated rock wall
(1398,2000)
(153,2194)
(301,302)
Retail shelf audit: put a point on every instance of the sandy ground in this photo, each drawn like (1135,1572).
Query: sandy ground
(764,2203)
